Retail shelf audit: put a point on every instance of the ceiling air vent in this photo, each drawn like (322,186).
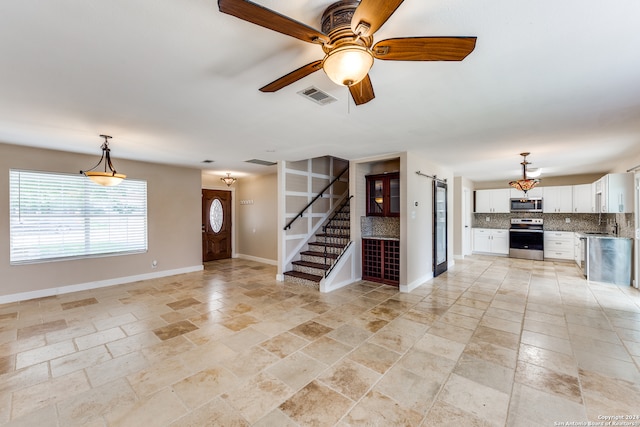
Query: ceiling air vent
(317,96)
(261,162)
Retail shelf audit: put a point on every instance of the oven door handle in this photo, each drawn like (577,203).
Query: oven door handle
(525,231)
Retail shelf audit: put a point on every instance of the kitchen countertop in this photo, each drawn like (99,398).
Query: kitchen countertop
(599,236)
(381,238)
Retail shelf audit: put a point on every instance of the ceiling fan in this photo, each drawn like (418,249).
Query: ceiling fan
(347,41)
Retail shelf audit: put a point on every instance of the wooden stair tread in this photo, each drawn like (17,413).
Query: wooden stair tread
(311,265)
(305,276)
(331,245)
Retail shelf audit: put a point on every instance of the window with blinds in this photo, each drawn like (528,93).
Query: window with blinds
(60,216)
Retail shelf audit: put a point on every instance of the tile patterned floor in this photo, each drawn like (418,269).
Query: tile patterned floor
(492,342)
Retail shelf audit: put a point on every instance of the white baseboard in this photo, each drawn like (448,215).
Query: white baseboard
(257,259)
(23,296)
(411,286)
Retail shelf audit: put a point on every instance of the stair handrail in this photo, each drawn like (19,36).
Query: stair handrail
(335,214)
(319,195)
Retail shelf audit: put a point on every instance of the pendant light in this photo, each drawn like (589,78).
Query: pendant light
(109,177)
(228,179)
(525,184)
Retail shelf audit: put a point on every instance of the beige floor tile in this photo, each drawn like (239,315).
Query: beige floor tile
(442,414)
(440,346)
(532,407)
(22,378)
(327,350)
(414,391)
(132,343)
(92,405)
(349,378)
(547,342)
(113,369)
(47,393)
(484,372)
(451,332)
(484,402)
(376,409)
(492,353)
(550,381)
(205,385)
(555,361)
(258,396)
(284,344)
(79,360)
(316,404)
(374,357)
(43,354)
(296,370)
(603,395)
(216,413)
(43,417)
(158,409)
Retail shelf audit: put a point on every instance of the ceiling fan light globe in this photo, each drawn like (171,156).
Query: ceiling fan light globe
(348,65)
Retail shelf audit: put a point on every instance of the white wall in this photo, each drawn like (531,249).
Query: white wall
(174,221)
(416,222)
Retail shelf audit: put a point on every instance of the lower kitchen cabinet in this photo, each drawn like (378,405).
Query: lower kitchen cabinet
(559,245)
(381,261)
(491,240)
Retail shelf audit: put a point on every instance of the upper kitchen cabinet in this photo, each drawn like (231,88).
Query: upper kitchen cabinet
(583,199)
(493,201)
(614,193)
(383,194)
(558,199)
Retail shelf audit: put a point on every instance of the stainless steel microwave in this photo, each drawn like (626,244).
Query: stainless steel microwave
(526,205)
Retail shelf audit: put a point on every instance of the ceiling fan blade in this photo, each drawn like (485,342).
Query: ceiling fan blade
(372,13)
(424,48)
(362,92)
(270,19)
(292,77)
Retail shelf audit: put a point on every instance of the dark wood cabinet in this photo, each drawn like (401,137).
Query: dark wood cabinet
(383,194)
(381,261)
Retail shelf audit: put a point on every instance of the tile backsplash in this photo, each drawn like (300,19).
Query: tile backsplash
(603,223)
(380,226)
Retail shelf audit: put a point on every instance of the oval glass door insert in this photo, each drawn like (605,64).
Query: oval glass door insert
(216,215)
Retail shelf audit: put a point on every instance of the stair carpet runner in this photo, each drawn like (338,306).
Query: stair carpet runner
(313,265)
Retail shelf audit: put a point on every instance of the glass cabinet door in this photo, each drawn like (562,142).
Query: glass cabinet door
(394,196)
(376,197)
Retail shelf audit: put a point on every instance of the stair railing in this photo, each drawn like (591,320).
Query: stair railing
(336,238)
(319,195)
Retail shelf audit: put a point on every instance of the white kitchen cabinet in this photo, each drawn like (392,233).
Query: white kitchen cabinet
(559,245)
(534,193)
(493,201)
(557,199)
(491,241)
(584,199)
(614,193)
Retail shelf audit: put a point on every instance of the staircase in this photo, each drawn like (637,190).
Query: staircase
(324,251)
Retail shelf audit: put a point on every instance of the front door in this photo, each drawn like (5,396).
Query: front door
(216,225)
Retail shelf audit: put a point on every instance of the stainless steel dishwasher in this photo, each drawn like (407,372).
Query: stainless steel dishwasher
(609,260)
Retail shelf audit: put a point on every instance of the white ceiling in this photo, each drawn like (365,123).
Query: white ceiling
(176,81)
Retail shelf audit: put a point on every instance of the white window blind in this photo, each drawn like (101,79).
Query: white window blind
(57,216)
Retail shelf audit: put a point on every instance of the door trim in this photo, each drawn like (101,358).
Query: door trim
(233,214)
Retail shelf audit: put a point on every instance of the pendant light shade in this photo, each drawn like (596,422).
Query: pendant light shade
(525,184)
(109,177)
(228,179)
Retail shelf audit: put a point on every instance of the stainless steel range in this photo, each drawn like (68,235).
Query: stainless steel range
(526,238)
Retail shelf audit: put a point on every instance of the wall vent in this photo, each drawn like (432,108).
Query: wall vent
(261,162)
(317,96)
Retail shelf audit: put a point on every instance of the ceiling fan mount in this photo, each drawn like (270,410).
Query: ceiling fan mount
(346,36)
